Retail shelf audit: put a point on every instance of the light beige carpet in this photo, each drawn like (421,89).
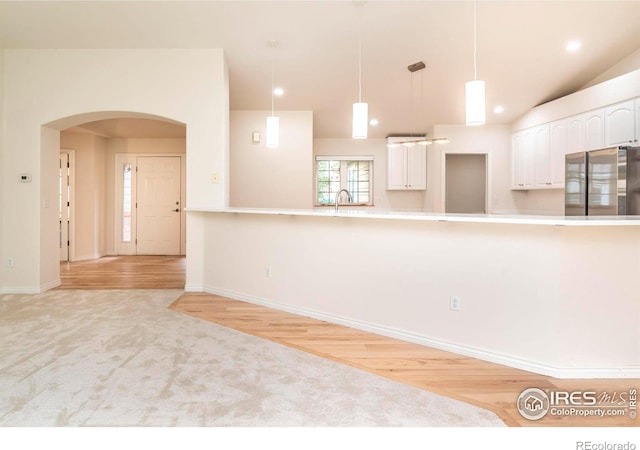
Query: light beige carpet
(121,358)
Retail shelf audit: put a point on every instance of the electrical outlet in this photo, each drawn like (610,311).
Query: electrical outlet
(10,262)
(267,272)
(454,303)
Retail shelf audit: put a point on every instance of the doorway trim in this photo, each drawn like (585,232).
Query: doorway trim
(123,248)
(443,178)
(72,202)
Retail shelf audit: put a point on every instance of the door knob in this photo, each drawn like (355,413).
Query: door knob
(176,210)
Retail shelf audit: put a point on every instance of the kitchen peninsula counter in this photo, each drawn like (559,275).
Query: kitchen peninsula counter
(576,221)
(553,295)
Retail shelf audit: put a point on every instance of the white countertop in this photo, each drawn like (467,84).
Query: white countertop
(435,217)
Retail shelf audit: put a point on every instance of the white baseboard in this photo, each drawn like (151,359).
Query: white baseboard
(31,290)
(89,257)
(20,290)
(194,288)
(497,358)
(52,284)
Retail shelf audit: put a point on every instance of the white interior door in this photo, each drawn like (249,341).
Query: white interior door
(63,207)
(158,205)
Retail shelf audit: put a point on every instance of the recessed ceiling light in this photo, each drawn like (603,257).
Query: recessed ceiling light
(278,91)
(373,122)
(499,109)
(573,46)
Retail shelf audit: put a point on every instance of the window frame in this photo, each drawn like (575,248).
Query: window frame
(343,176)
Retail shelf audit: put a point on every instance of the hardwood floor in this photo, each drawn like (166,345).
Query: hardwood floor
(491,386)
(124,272)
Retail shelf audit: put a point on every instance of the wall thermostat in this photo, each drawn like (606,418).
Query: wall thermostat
(25,177)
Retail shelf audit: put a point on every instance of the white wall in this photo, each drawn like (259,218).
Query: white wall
(2,257)
(63,88)
(535,297)
(135,146)
(90,194)
(262,177)
(48,237)
(382,198)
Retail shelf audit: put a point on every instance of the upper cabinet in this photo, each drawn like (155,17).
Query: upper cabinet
(538,153)
(593,129)
(636,142)
(541,156)
(620,124)
(407,167)
(522,160)
(576,134)
(585,131)
(558,147)
(538,156)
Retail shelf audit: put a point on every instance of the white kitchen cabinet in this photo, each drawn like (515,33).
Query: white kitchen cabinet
(538,153)
(541,157)
(407,167)
(558,145)
(620,124)
(585,131)
(538,156)
(576,134)
(522,160)
(636,141)
(593,130)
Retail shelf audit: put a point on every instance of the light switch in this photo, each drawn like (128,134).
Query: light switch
(255,137)
(215,178)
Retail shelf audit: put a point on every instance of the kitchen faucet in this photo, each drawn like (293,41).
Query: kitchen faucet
(349,198)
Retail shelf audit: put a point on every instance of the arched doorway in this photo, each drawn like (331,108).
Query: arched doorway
(109,207)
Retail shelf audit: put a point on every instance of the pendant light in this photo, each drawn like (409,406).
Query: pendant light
(360,120)
(273,121)
(474,90)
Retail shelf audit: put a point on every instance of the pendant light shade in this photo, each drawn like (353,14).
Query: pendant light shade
(474,90)
(273,131)
(475,102)
(360,120)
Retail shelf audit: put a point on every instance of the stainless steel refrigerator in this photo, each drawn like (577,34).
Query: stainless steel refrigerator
(603,182)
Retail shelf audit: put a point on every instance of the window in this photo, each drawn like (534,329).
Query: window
(353,173)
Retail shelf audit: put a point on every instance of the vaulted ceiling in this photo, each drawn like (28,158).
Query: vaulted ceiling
(520,50)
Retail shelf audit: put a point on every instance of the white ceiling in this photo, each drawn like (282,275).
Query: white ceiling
(127,127)
(521,52)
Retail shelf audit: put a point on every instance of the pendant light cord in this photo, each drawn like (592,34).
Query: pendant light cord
(272,64)
(475,39)
(359,58)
